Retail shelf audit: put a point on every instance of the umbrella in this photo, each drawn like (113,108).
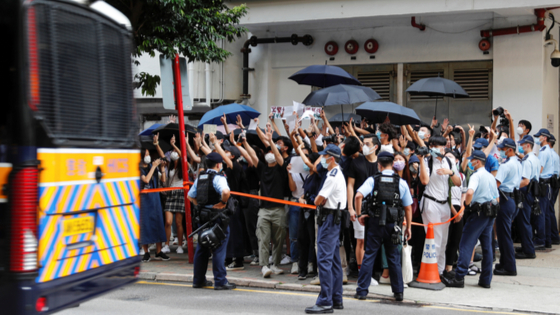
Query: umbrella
(438,87)
(376,112)
(253,137)
(167,131)
(341,94)
(231,110)
(148,131)
(338,119)
(147,142)
(323,76)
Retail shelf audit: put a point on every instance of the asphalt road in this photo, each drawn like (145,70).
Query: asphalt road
(177,298)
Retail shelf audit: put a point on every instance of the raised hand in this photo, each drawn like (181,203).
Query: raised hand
(444,124)
(156,163)
(156,138)
(212,138)
(403,141)
(172,119)
(172,141)
(256,120)
(507,114)
(223,119)
(239,122)
(471,131)
(270,116)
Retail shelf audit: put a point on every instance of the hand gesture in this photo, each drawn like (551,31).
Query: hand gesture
(507,114)
(312,120)
(268,136)
(239,122)
(445,124)
(212,138)
(223,119)
(156,138)
(172,119)
(323,116)
(172,141)
(403,141)
(336,131)
(286,127)
(156,163)
(271,116)
(460,128)
(268,126)
(449,129)
(471,131)
(197,138)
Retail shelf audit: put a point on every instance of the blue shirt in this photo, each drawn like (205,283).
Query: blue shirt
(547,162)
(509,175)
(484,185)
(531,166)
(556,162)
(404,191)
(492,164)
(219,183)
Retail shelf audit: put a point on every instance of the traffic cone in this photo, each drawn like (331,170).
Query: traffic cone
(428,277)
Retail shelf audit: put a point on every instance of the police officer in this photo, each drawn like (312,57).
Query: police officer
(543,221)
(329,201)
(531,167)
(390,200)
(509,180)
(210,193)
(481,194)
(554,236)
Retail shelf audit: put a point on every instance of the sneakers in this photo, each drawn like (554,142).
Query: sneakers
(276,270)
(315,281)
(162,256)
(175,241)
(285,260)
(180,250)
(165,249)
(146,257)
(302,276)
(142,252)
(295,268)
(344,278)
(373,282)
(235,266)
(310,268)
(266,272)
(383,280)
(255,261)
(152,247)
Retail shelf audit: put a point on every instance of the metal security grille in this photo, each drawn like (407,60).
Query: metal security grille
(85,77)
(417,75)
(475,82)
(379,81)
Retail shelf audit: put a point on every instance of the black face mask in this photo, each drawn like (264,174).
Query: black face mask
(413,170)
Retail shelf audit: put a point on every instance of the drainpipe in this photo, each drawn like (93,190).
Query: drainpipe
(208,73)
(307,40)
(539,27)
(190,73)
(421,27)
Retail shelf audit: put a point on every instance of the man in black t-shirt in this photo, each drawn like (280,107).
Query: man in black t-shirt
(273,177)
(360,169)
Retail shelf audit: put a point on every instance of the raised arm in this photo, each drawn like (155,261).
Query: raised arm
(299,150)
(156,144)
(277,155)
(291,182)
(204,147)
(273,123)
(492,141)
(223,119)
(511,126)
(175,148)
(326,123)
(190,153)
(251,153)
(468,152)
(147,178)
(424,176)
(220,151)
(244,153)
(261,135)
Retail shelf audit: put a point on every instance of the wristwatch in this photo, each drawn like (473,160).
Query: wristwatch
(222,202)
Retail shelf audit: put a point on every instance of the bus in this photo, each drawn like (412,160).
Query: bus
(69,157)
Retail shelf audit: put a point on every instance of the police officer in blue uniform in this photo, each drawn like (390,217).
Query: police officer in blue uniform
(388,202)
(544,221)
(210,193)
(554,236)
(509,180)
(330,200)
(531,167)
(481,208)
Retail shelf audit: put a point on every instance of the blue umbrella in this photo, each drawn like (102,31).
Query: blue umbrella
(231,110)
(377,112)
(323,76)
(148,131)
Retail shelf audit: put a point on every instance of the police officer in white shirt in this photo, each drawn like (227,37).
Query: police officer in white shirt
(330,200)
(435,172)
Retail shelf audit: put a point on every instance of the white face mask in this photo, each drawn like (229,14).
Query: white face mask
(147,159)
(421,134)
(519,130)
(174,156)
(367,150)
(386,148)
(501,139)
(269,157)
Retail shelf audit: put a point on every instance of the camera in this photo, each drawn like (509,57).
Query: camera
(422,151)
(331,139)
(500,112)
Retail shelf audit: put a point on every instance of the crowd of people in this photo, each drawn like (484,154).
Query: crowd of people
(505,178)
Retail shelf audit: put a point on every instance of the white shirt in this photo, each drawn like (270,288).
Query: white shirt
(456,192)
(297,177)
(175,181)
(334,189)
(438,187)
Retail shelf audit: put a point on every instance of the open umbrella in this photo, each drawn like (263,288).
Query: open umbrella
(148,131)
(338,119)
(231,110)
(437,87)
(377,112)
(167,131)
(253,137)
(323,76)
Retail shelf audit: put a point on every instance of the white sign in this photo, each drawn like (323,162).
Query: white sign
(253,125)
(277,111)
(167,83)
(210,129)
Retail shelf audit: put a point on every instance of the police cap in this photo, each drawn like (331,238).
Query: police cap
(214,157)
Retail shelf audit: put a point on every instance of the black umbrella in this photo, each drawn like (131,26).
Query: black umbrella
(253,137)
(338,119)
(377,112)
(323,76)
(437,87)
(167,131)
(147,142)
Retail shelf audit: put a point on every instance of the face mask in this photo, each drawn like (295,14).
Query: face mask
(147,159)
(470,165)
(324,163)
(244,159)
(519,130)
(367,150)
(406,151)
(520,149)
(278,147)
(501,139)
(538,141)
(435,152)
(453,147)
(378,134)
(269,157)
(412,169)
(306,168)
(386,148)
(399,165)
(174,156)
(421,134)
(503,154)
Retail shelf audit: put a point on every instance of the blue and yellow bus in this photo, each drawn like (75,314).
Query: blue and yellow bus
(69,175)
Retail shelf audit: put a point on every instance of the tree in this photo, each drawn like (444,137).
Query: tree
(188,27)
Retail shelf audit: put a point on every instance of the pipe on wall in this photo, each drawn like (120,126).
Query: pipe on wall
(421,27)
(538,27)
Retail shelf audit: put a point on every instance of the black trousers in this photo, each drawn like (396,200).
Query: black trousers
(306,242)
(453,240)
(417,241)
(251,213)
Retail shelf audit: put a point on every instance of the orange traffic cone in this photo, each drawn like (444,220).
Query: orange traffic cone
(428,277)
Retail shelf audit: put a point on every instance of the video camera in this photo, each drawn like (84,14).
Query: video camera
(500,112)
(422,151)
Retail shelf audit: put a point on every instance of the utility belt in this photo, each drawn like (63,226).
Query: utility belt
(544,184)
(534,188)
(554,184)
(488,208)
(387,214)
(323,213)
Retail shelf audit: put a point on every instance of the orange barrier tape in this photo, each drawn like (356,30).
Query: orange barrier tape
(440,223)
(286,202)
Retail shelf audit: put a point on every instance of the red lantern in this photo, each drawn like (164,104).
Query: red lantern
(484,44)
(331,48)
(371,46)
(351,47)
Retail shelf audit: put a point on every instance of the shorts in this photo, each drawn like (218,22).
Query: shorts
(359,230)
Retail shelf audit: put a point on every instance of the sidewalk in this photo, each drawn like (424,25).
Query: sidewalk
(535,289)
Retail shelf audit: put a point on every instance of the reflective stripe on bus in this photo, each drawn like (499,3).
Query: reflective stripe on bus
(5,169)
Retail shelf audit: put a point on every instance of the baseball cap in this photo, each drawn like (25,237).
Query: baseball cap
(507,143)
(526,139)
(231,148)
(214,157)
(331,150)
(478,155)
(482,142)
(543,132)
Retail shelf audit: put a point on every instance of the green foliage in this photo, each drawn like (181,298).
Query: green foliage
(188,27)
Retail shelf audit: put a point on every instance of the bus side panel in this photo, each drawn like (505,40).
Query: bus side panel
(84,224)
